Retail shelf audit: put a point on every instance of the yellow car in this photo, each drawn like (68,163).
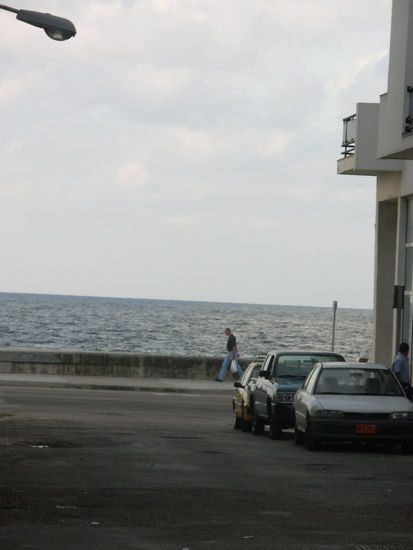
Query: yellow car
(240,403)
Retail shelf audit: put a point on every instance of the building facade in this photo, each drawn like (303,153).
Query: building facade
(378,141)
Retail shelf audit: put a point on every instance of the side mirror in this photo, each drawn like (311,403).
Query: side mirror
(238,385)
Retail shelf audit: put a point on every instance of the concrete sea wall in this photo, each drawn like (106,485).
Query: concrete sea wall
(85,363)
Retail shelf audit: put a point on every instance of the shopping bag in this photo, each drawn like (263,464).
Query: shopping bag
(234,369)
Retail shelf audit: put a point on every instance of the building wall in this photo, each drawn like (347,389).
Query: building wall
(394,105)
(388,188)
(392,132)
(84,363)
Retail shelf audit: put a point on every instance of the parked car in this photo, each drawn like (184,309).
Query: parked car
(352,402)
(241,399)
(282,373)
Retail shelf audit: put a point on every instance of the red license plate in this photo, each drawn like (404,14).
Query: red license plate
(365,429)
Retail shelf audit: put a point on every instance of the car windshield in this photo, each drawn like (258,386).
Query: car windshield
(355,381)
(298,366)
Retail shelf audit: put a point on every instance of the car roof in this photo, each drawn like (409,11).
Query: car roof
(303,352)
(353,365)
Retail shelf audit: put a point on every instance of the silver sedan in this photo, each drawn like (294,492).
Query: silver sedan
(352,402)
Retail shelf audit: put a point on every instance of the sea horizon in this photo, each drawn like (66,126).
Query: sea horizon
(178,300)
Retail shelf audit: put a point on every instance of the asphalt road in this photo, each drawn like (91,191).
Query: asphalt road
(123,470)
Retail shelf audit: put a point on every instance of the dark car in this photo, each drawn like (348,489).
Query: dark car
(282,373)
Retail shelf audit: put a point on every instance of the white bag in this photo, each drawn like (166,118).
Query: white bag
(234,369)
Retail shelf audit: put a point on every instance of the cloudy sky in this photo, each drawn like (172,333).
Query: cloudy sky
(186,149)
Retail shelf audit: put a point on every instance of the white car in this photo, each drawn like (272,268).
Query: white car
(352,402)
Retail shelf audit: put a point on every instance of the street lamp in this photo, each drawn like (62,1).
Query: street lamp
(55,27)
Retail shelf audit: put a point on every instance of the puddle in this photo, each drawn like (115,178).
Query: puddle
(38,444)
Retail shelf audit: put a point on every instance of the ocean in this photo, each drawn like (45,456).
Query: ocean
(175,327)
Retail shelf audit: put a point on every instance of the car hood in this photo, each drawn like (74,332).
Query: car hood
(289,384)
(363,403)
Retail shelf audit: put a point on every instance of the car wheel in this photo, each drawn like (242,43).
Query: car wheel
(258,425)
(311,443)
(245,424)
(236,423)
(276,430)
(299,437)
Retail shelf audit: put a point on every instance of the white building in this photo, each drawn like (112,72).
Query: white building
(378,140)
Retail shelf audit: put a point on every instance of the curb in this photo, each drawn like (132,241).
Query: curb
(110,387)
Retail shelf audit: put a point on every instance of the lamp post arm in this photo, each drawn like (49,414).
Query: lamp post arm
(55,27)
(8,8)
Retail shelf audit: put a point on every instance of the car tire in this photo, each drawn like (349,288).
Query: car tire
(311,443)
(276,430)
(299,437)
(258,425)
(236,423)
(245,424)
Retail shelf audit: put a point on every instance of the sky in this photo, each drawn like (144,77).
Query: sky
(186,149)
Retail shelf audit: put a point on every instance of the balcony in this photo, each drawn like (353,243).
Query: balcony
(359,145)
(395,139)
(349,136)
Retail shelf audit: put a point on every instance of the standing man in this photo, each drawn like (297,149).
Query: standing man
(401,368)
(232,355)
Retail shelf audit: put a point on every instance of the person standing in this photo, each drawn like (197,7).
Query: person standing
(401,368)
(232,355)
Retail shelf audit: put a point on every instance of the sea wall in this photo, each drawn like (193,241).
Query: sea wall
(85,363)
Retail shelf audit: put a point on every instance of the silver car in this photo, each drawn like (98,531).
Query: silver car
(352,402)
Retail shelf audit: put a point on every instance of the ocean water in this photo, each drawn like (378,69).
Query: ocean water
(175,327)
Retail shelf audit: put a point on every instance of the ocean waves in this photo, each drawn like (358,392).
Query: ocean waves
(173,327)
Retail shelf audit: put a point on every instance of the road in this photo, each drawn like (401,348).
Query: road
(119,470)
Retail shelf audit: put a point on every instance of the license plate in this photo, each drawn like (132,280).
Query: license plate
(365,429)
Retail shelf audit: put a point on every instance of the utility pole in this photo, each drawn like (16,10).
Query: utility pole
(334,325)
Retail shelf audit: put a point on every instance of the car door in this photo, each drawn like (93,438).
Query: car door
(303,398)
(260,393)
(239,392)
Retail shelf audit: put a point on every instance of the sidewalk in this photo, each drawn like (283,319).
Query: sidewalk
(117,383)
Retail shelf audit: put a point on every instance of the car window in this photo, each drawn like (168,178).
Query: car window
(256,371)
(268,363)
(356,381)
(298,366)
(246,376)
(309,380)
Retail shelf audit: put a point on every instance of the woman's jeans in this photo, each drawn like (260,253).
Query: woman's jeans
(226,364)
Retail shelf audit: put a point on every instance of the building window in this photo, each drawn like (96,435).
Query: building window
(408,127)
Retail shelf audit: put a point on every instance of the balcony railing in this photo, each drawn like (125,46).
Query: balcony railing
(349,136)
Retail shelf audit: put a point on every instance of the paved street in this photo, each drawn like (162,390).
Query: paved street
(123,470)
